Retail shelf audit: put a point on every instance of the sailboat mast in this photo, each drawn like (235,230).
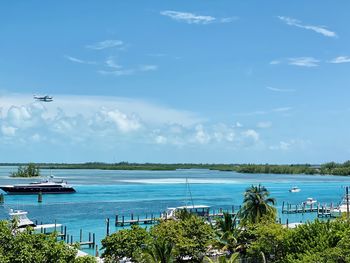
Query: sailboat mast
(189,191)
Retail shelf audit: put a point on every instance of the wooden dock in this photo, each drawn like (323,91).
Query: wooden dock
(298,208)
(136,220)
(149,219)
(322,211)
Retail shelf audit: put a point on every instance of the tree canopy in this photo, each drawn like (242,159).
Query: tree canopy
(31,170)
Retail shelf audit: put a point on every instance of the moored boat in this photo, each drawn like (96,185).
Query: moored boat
(295,189)
(45,187)
(310,201)
(199,210)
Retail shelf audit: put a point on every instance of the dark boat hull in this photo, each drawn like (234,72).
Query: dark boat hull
(37,190)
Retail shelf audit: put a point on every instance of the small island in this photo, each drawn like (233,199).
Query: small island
(30,170)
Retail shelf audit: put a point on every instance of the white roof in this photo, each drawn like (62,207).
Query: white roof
(192,206)
(293,225)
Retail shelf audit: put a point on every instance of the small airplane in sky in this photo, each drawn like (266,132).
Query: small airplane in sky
(43,98)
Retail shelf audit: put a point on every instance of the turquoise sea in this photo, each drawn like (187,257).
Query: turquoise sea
(101,194)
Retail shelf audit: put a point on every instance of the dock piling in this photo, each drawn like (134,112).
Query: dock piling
(107,226)
(96,251)
(116,219)
(40,197)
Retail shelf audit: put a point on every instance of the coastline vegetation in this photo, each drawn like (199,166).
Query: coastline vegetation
(31,170)
(252,236)
(330,168)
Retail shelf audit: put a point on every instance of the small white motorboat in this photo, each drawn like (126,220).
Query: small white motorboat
(310,201)
(21,221)
(295,189)
(198,210)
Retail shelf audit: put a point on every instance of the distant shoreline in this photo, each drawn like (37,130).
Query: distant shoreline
(331,168)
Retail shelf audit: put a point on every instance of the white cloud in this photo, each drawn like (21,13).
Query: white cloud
(280,90)
(251,134)
(8,130)
(264,112)
(275,62)
(148,67)
(121,72)
(106,44)
(110,121)
(189,18)
(201,135)
(228,19)
(304,62)
(80,61)
(239,125)
(340,59)
(160,139)
(318,29)
(110,62)
(123,122)
(290,144)
(264,124)
(281,109)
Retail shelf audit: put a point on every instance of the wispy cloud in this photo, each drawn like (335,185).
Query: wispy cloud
(118,70)
(191,18)
(275,62)
(264,124)
(290,144)
(106,44)
(228,19)
(264,112)
(148,67)
(118,73)
(304,62)
(340,59)
(318,29)
(80,61)
(280,90)
(110,62)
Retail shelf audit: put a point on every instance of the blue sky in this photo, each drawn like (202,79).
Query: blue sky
(175,81)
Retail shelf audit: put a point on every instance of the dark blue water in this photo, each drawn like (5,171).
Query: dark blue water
(101,194)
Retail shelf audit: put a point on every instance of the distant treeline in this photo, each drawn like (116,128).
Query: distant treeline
(327,168)
(130,166)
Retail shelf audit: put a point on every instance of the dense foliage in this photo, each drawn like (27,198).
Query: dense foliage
(125,243)
(170,240)
(27,247)
(31,170)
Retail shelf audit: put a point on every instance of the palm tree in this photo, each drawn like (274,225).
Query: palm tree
(226,233)
(257,205)
(159,252)
(226,224)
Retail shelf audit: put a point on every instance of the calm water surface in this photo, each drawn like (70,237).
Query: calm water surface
(101,194)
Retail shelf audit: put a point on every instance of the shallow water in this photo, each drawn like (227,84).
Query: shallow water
(101,194)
